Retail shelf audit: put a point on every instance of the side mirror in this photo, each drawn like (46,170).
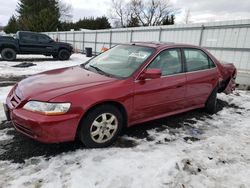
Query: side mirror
(150,74)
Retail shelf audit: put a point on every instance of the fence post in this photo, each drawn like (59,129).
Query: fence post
(159,39)
(110,39)
(57,37)
(201,35)
(66,36)
(74,38)
(95,42)
(131,36)
(83,42)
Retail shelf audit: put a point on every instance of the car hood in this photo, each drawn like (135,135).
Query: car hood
(48,85)
(63,43)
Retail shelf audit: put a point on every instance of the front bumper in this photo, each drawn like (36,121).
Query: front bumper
(46,129)
(7,112)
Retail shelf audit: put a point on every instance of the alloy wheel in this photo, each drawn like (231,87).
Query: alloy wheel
(104,127)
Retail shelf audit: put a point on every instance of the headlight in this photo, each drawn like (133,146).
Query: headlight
(47,108)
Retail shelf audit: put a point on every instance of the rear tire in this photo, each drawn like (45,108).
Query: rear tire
(8,54)
(64,54)
(210,106)
(101,126)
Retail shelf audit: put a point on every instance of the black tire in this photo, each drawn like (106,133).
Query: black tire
(8,54)
(210,106)
(87,126)
(63,54)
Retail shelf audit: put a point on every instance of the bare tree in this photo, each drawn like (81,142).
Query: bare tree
(187,16)
(120,12)
(65,11)
(147,12)
(152,12)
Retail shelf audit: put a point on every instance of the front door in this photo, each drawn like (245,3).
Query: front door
(45,44)
(163,95)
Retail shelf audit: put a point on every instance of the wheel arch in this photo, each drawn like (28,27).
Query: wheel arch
(224,84)
(116,104)
(8,46)
(215,88)
(62,48)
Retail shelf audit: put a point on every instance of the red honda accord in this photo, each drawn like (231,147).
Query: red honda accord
(124,86)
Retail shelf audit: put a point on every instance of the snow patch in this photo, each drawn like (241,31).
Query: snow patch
(3,94)
(42,64)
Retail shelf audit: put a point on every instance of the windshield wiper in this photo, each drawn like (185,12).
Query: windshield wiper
(100,70)
(83,66)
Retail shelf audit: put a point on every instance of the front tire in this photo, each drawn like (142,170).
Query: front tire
(210,106)
(101,126)
(8,54)
(64,54)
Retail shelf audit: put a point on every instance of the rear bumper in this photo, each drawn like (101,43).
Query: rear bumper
(230,86)
(46,129)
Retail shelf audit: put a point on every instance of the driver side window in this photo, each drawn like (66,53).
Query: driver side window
(43,39)
(169,61)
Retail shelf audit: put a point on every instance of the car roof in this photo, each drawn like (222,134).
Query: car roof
(160,45)
(30,32)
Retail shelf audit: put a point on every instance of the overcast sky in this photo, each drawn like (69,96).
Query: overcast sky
(200,10)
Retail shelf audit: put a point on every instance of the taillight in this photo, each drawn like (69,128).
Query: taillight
(234,75)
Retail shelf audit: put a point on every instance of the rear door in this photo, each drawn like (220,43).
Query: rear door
(162,95)
(202,76)
(28,43)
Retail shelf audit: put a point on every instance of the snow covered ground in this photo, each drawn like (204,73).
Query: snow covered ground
(205,151)
(43,63)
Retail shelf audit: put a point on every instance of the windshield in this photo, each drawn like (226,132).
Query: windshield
(121,61)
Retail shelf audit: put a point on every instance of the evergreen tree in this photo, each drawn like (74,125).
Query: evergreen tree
(133,22)
(169,20)
(172,19)
(42,15)
(102,23)
(45,15)
(86,23)
(12,26)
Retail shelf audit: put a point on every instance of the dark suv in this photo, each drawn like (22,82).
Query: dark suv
(33,43)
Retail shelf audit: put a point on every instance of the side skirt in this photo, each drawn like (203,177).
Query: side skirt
(164,115)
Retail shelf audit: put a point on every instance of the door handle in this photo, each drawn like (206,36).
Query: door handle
(179,86)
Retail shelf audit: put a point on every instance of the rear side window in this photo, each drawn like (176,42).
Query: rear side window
(26,37)
(169,61)
(211,63)
(197,60)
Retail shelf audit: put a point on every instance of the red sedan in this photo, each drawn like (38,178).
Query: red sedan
(124,86)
